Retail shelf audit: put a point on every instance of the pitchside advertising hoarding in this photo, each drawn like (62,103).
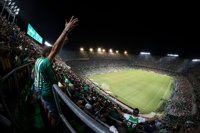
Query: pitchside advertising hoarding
(32,33)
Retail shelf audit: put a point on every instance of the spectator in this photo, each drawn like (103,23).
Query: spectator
(48,74)
(36,75)
(133,120)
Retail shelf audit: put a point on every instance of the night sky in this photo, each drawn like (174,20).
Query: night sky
(160,28)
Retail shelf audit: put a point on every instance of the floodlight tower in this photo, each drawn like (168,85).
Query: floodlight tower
(15,12)
(10,8)
(4,5)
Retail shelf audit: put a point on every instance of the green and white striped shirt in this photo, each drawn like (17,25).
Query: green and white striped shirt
(38,77)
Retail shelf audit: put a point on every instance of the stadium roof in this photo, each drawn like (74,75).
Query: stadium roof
(160,28)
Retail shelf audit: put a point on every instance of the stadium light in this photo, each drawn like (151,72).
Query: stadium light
(81,49)
(13,4)
(125,52)
(172,55)
(10,9)
(145,53)
(110,50)
(104,50)
(195,60)
(16,13)
(99,49)
(9,3)
(91,49)
(117,51)
(47,44)
(4,5)
(15,7)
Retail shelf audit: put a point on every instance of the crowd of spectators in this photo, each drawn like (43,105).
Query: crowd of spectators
(15,47)
(181,107)
(181,101)
(99,106)
(91,67)
(181,113)
(168,64)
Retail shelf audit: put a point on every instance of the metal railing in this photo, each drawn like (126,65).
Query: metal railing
(10,88)
(90,122)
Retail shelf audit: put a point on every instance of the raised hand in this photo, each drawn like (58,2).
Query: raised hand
(71,24)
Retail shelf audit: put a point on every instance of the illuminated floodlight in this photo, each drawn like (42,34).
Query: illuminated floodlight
(110,50)
(145,53)
(91,49)
(81,49)
(117,51)
(47,44)
(195,60)
(125,52)
(99,49)
(17,13)
(172,55)
(13,4)
(104,50)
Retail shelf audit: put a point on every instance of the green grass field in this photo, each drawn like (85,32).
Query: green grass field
(136,88)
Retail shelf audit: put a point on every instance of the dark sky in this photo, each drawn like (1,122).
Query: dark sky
(156,27)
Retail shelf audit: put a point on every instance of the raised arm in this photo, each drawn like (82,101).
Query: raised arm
(120,111)
(62,38)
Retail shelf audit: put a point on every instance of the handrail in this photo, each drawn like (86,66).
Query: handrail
(93,124)
(11,72)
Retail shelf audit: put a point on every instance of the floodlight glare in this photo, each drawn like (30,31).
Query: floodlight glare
(145,53)
(99,49)
(91,49)
(13,3)
(110,50)
(104,50)
(117,51)
(47,44)
(196,60)
(81,49)
(172,55)
(125,52)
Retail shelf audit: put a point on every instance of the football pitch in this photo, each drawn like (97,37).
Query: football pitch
(145,90)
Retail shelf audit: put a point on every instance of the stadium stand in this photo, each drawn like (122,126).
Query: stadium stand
(84,106)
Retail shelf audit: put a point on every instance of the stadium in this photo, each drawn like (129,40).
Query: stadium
(96,85)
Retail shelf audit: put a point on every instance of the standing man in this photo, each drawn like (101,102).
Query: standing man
(47,72)
(36,74)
